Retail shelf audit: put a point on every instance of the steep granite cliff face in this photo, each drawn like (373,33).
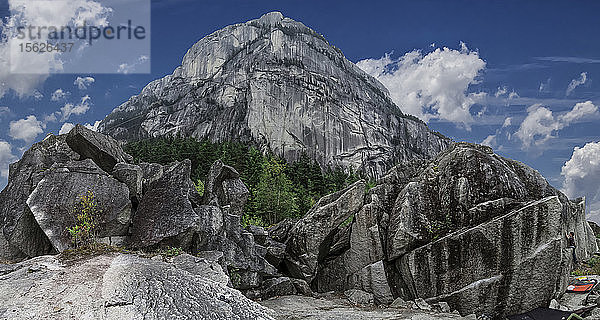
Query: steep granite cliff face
(276,82)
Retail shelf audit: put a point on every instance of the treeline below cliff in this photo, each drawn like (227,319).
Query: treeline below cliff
(278,189)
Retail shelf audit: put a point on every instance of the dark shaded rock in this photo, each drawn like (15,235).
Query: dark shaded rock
(103,150)
(132,176)
(275,287)
(302,287)
(310,239)
(595,228)
(21,236)
(150,173)
(275,253)
(280,231)
(223,187)
(259,234)
(55,196)
(165,214)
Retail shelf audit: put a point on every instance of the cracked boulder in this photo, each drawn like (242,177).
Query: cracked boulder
(165,215)
(310,239)
(102,149)
(21,236)
(61,187)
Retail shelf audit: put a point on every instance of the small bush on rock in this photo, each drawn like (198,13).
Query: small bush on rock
(86,212)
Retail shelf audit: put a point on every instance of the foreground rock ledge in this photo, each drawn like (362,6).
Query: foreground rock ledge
(118,286)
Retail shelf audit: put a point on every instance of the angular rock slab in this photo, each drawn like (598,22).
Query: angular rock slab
(132,176)
(485,268)
(443,196)
(53,200)
(310,239)
(102,149)
(165,213)
(21,236)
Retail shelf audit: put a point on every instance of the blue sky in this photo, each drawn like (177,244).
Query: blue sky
(519,60)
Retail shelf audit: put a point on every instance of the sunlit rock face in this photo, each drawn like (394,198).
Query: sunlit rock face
(276,82)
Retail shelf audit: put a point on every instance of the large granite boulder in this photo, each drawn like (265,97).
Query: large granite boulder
(480,232)
(53,200)
(102,149)
(165,215)
(310,239)
(117,287)
(446,194)
(21,236)
(131,175)
(504,266)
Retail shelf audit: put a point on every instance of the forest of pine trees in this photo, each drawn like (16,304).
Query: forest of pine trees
(278,189)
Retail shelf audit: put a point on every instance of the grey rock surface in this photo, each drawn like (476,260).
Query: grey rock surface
(131,175)
(117,286)
(302,307)
(63,185)
(359,297)
(102,149)
(165,215)
(468,228)
(311,237)
(280,84)
(21,236)
(210,269)
(275,287)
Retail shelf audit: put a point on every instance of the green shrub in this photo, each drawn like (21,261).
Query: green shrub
(86,213)
(251,220)
(200,187)
(171,251)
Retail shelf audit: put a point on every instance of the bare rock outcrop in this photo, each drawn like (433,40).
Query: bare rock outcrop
(63,185)
(280,84)
(480,232)
(116,287)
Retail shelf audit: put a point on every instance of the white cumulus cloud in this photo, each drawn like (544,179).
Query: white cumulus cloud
(576,83)
(6,157)
(433,85)
(582,176)
(33,70)
(93,127)
(70,109)
(84,83)
(580,111)
(25,129)
(66,127)
(540,123)
(59,95)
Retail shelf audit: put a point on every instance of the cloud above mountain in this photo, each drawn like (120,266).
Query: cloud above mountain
(26,129)
(433,85)
(582,175)
(540,124)
(6,157)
